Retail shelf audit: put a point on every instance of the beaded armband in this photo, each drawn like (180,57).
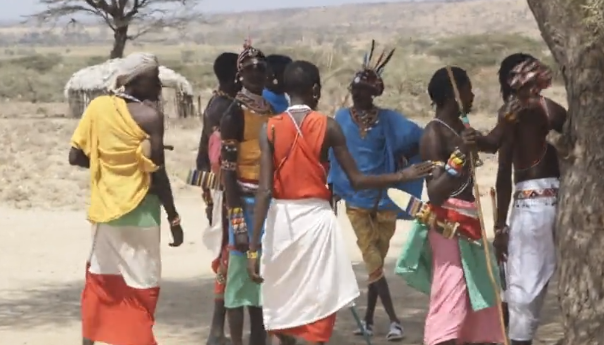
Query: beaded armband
(252,255)
(229,150)
(228,166)
(237,220)
(455,164)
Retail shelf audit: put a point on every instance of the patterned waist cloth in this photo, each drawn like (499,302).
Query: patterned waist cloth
(535,193)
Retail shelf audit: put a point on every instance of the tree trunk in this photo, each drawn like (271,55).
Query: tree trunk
(120,37)
(580,220)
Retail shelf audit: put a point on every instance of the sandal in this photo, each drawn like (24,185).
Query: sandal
(396,332)
(367,329)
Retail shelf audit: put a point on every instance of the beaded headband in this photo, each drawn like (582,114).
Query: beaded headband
(249,55)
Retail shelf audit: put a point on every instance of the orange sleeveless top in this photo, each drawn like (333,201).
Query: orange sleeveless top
(299,173)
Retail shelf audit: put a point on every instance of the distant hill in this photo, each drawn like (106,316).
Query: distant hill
(350,23)
(387,19)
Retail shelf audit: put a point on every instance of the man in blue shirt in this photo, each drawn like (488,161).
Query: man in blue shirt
(380,140)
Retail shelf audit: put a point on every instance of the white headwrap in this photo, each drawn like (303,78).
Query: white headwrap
(131,67)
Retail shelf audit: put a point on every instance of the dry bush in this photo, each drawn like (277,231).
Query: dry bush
(40,78)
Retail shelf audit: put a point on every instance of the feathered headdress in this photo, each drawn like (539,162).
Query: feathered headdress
(249,53)
(371,73)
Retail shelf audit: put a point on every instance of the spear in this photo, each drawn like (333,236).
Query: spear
(485,242)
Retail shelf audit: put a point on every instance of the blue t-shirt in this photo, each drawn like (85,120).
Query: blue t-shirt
(279,102)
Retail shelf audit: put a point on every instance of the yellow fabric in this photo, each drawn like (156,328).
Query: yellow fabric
(248,160)
(119,170)
(373,234)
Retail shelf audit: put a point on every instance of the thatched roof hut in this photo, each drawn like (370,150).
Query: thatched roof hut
(93,81)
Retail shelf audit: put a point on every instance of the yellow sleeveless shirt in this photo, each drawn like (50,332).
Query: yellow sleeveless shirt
(248,160)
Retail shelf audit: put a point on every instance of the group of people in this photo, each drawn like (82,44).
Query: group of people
(282,165)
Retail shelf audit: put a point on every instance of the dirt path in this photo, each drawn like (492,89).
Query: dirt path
(42,267)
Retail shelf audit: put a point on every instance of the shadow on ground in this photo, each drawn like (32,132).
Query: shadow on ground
(186,306)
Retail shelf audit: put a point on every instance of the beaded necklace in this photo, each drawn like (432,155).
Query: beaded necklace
(365,119)
(255,103)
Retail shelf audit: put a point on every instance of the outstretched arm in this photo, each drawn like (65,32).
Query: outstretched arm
(265,188)
(358,180)
(441,184)
(504,182)
(491,142)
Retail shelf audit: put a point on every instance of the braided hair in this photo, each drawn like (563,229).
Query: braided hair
(440,88)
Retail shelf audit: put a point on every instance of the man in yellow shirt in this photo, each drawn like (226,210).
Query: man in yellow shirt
(120,139)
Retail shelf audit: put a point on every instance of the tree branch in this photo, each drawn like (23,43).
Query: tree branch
(145,15)
(155,16)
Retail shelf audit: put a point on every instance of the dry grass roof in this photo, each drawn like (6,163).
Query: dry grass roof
(99,77)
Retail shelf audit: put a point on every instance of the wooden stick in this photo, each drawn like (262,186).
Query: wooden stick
(485,242)
(493,193)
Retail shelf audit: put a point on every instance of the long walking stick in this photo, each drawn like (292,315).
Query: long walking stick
(485,242)
(504,305)
(493,194)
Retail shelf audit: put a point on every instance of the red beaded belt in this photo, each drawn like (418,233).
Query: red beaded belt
(536,193)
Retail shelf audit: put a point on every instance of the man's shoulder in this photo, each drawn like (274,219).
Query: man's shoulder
(432,127)
(341,112)
(387,113)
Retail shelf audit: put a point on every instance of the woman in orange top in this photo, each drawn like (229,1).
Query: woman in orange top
(307,274)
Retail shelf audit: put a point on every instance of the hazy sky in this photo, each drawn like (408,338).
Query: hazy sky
(24,7)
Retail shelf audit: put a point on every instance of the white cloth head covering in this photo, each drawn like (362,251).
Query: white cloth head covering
(131,67)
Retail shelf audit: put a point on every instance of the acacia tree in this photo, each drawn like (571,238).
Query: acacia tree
(573,30)
(128,19)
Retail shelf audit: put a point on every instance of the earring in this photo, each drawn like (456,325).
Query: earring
(275,81)
(240,78)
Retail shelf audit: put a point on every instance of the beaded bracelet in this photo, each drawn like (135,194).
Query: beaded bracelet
(454,166)
(237,220)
